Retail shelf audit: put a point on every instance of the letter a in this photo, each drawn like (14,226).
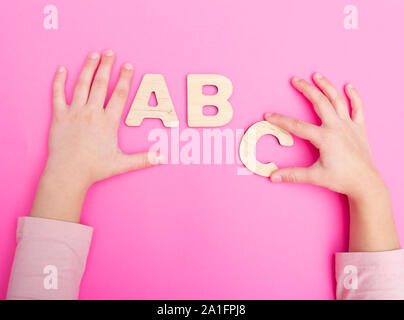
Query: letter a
(140,107)
(51,20)
(351,280)
(51,280)
(351,20)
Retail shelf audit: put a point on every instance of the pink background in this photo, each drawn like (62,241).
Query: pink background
(202,231)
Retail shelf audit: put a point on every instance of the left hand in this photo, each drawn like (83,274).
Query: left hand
(83,143)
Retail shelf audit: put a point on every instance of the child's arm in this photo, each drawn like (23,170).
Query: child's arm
(83,144)
(345,165)
(83,149)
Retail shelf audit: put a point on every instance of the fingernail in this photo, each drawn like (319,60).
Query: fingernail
(349,86)
(108,53)
(295,79)
(318,75)
(94,55)
(157,158)
(267,115)
(128,66)
(61,69)
(161,159)
(276,178)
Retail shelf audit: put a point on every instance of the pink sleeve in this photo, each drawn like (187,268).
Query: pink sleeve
(370,275)
(49,260)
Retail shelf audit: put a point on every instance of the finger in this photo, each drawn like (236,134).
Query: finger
(295,175)
(299,128)
(321,104)
(120,95)
(358,113)
(99,86)
(333,95)
(59,96)
(138,161)
(83,84)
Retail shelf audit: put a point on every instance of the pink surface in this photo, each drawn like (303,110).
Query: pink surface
(202,231)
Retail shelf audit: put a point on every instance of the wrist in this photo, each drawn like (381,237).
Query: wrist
(373,188)
(69,177)
(65,181)
(372,225)
(59,196)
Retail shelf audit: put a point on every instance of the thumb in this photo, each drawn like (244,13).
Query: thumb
(294,175)
(138,161)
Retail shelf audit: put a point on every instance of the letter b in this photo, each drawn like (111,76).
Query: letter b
(197,100)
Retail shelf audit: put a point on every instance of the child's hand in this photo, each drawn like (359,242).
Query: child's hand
(345,164)
(345,161)
(83,141)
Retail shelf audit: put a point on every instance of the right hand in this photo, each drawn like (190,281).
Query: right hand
(345,160)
